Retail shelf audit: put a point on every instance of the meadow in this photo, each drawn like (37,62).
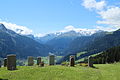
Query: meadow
(58,72)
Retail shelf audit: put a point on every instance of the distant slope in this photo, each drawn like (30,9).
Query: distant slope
(13,43)
(46,38)
(71,32)
(64,41)
(93,44)
(109,56)
(97,44)
(82,43)
(60,40)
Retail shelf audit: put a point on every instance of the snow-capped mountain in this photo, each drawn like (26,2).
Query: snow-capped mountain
(22,30)
(22,46)
(2,27)
(72,33)
(46,38)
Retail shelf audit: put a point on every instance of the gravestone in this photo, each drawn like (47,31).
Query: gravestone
(5,62)
(0,63)
(30,61)
(38,60)
(51,59)
(11,62)
(90,61)
(42,64)
(72,60)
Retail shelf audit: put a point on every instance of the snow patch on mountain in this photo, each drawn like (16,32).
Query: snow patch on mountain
(17,28)
(81,31)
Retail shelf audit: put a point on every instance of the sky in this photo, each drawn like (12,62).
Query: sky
(46,16)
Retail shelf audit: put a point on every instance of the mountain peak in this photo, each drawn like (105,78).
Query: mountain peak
(2,27)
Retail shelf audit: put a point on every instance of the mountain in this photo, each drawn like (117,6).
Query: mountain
(109,56)
(72,33)
(46,38)
(60,41)
(84,43)
(30,36)
(96,45)
(22,46)
(81,43)
(105,42)
(2,27)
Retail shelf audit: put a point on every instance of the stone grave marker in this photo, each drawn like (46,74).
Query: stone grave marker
(30,61)
(72,60)
(51,59)
(11,62)
(38,60)
(5,62)
(42,64)
(90,61)
(0,63)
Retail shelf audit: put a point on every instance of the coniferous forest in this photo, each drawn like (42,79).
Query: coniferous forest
(109,56)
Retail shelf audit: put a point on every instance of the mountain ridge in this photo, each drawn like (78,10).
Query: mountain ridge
(22,46)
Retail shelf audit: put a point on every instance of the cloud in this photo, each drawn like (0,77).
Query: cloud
(17,28)
(39,35)
(109,29)
(93,4)
(70,28)
(111,16)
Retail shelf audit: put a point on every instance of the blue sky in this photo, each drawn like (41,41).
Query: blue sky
(43,16)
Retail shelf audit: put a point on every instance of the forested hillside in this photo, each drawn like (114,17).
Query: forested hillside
(109,56)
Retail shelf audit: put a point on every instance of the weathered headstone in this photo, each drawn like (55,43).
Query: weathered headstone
(0,63)
(72,60)
(42,64)
(51,59)
(30,61)
(38,60)
(5,62)
(90,61)
(11,62)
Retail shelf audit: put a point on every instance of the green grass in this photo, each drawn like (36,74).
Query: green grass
(104,72)
(82,59)
(45,59)
(78,54)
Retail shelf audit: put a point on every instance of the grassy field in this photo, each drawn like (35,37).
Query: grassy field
(101,72)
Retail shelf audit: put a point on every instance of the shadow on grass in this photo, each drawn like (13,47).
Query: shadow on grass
(94,67)
(3,79)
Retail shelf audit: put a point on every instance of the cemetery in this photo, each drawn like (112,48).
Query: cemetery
(60,40)
(41,71)
(10,61)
